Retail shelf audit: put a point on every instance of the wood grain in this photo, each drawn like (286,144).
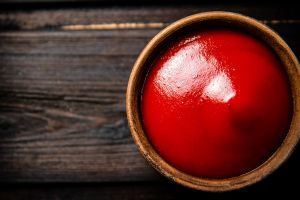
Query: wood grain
(55,18)
(62,106)
(62,93)
(280,182)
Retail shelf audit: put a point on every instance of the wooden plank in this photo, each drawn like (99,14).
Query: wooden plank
(62,107)
(281,182)
(132,191)
(57,18)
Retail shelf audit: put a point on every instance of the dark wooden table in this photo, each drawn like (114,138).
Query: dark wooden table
(64,67)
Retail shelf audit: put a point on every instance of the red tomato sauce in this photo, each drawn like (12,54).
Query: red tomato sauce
(216,103)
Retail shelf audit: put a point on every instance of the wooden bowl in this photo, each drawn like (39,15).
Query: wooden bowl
(141,67)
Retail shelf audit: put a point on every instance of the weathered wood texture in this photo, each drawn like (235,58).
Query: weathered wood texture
(43,18)
(62,93)
(283,181)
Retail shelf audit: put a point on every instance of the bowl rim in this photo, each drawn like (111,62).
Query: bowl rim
(291,66)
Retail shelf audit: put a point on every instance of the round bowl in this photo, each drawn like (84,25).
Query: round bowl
(141,67)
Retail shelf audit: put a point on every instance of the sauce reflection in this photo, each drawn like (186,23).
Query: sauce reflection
(192,70)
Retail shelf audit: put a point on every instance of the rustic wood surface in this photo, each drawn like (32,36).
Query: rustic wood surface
(63,76)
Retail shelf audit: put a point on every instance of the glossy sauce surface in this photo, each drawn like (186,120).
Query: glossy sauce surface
(216,103)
